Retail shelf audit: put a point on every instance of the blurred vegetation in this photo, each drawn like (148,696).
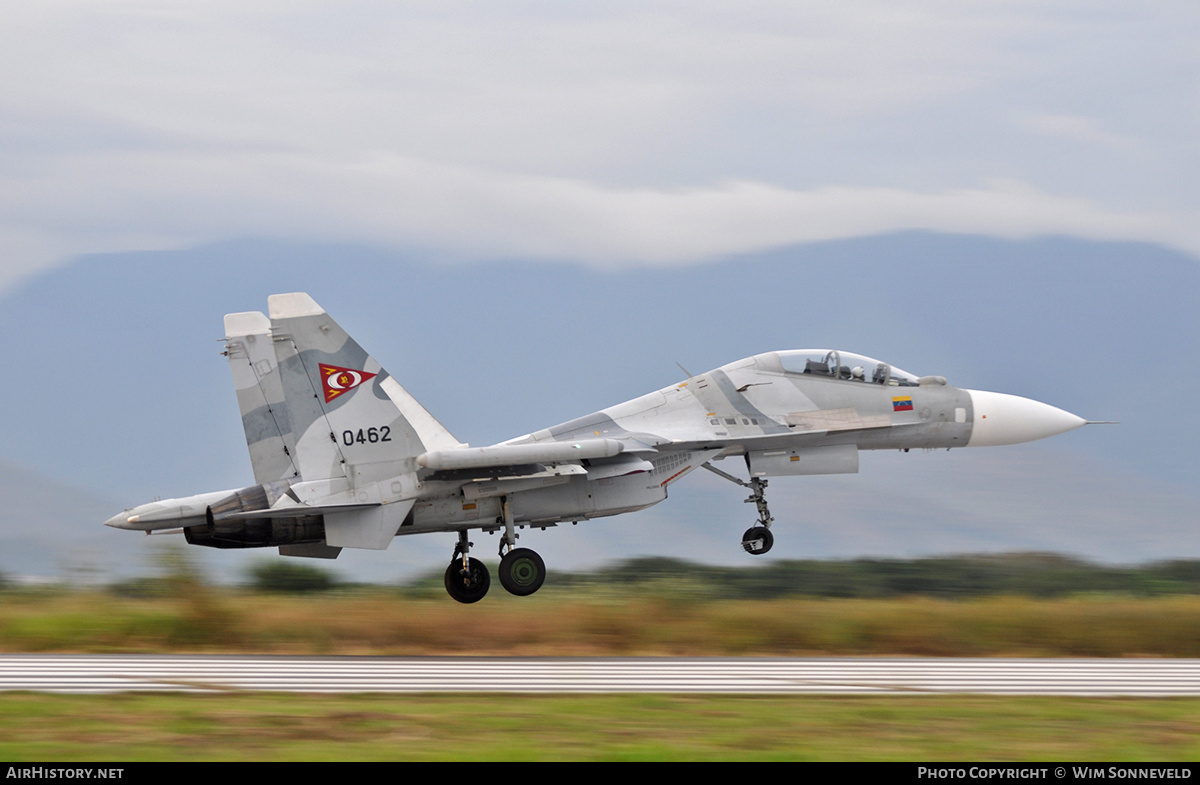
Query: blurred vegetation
(1026,574)
(289,577)
(1019,605)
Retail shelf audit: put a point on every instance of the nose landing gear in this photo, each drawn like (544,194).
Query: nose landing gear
(758,539)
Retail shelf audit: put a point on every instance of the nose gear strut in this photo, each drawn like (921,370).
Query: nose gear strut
(758,539)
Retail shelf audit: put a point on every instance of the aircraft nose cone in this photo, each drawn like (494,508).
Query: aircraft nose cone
(1011,419)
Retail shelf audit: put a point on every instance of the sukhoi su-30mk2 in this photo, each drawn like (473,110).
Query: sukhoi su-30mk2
(344,457)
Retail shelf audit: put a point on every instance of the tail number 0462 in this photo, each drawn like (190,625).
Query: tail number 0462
(367,436)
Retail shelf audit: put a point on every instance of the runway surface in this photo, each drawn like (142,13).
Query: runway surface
(825,676)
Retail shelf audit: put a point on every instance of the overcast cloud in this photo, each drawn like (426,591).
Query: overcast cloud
(625,134)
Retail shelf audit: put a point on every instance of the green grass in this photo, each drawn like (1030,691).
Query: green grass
(272,727)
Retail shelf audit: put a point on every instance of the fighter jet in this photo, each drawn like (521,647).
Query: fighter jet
(345,457)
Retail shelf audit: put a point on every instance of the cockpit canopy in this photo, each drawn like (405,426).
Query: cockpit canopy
(844,365)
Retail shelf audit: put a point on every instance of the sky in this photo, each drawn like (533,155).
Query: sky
(610,134)
(627,140)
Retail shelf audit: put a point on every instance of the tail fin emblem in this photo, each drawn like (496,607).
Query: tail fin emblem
(339,380)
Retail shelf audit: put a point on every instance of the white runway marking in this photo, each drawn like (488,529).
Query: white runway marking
(827,676)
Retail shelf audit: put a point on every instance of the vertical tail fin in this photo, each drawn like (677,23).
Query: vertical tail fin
(251,354)
(348,417)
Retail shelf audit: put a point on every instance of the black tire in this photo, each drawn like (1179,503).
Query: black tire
(469,585)
(522,572)
(757,540)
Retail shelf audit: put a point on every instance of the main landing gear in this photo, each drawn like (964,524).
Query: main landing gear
(467,579)
(758,539)
(522,571)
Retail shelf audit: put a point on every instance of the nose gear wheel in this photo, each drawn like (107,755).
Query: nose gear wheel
(757,540)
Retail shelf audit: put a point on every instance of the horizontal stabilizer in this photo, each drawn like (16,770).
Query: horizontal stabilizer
(372,529)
